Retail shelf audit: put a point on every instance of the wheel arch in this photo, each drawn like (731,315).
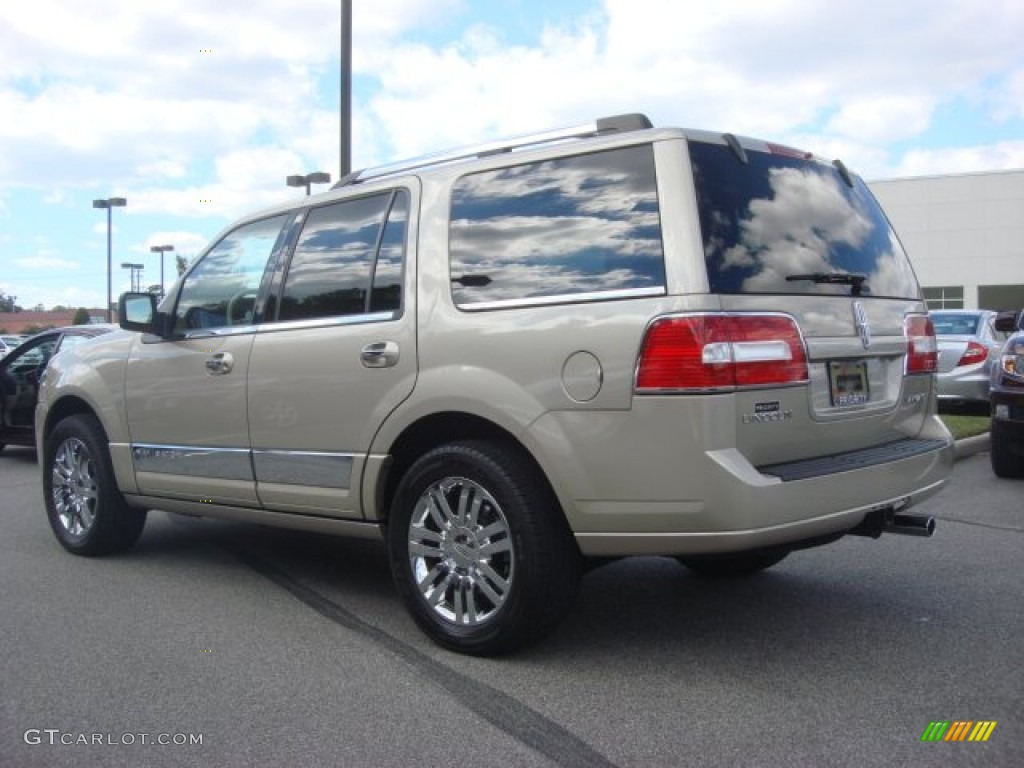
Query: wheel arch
(436,429)
(72,405)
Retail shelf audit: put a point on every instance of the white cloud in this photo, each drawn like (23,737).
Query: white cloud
(47,262)
(1001,155)
(874,70)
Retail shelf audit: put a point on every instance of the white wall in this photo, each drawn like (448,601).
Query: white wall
(960,230)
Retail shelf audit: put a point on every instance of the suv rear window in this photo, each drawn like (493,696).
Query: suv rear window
(563,228)
(778,216)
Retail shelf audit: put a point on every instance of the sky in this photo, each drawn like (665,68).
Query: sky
(195,111)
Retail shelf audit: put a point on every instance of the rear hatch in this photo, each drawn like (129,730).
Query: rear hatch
(787,235)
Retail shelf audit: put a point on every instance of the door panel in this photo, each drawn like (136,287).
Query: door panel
(186,396)
(189,428)
(344,356)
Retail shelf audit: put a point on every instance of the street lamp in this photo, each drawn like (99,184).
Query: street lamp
(161,249)
(317,177)
(109,203)
(136,270)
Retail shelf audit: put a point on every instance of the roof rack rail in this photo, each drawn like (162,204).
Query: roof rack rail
(603,125)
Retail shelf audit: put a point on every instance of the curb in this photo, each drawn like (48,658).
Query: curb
(971,445)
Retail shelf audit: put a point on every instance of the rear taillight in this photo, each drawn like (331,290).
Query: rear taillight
(975,353)
(690,353)
(922,349)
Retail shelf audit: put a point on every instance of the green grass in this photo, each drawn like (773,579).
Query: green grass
(965,426)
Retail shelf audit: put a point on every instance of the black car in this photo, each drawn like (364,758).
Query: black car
(1007,398)
(19,378)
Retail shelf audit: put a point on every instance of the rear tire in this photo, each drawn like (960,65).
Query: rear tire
(1005,463)
(86,510)
(479,549)
(732,566)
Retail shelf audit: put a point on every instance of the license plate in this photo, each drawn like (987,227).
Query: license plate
(848,382)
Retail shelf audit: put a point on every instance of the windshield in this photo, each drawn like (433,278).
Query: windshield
(784,224)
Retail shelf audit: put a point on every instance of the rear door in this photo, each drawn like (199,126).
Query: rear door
(337,355)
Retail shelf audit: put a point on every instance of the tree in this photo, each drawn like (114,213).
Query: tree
(81,317)
(8,303)
(181,262)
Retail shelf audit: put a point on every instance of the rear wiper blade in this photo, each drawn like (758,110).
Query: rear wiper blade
(839,278)
(832,278)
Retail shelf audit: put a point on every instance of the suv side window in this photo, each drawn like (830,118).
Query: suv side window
(348,259)
(568,227)
(221,290)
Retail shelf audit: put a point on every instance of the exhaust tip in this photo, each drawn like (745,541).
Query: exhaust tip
(911,525)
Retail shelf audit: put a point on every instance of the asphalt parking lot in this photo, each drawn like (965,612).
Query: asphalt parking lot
(282,648)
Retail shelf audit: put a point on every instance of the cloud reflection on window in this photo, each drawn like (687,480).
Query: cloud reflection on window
(779,216)
(575,225)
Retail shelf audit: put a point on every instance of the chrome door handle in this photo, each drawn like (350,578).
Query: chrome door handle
(380,354)
(220,363)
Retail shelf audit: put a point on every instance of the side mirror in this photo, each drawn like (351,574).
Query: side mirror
(1008,321)
(137,312)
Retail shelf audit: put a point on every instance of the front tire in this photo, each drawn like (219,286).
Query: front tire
(85,509)
(1005,463)
(479,549)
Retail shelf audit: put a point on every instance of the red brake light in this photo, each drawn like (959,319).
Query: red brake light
(922,349)
(717,352)
(975,353)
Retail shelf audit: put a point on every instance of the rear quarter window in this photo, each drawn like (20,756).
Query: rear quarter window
(778,216)
(563,229)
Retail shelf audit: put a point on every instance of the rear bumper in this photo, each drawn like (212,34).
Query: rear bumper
(956,386)
(670,486)
(693,543)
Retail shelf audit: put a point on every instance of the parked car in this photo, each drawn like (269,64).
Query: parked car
(20,373)
(8,342)
(968,343)
(1007,394)
(602,341)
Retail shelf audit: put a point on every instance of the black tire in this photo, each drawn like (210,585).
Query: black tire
(732,566)
(86,510)
(479,548)
(1005,462)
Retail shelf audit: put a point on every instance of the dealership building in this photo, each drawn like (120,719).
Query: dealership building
(964,234)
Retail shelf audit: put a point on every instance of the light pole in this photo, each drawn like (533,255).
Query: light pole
(136,270)
(109,203)
(345,108)
(161,249)
(317,177)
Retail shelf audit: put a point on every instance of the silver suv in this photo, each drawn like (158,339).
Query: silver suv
(511,359)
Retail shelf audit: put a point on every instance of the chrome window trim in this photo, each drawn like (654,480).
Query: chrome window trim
(565,298)
(193,460)
(294,325)
(328,322)
(305,468)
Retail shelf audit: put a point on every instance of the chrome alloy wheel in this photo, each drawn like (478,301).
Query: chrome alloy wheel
(75,487)
(460,550)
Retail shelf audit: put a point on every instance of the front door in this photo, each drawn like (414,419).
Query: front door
(186,396)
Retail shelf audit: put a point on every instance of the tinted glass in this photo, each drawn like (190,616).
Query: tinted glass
(387,274)
(779,216)
(582,224)
(331,271)
(221,290)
